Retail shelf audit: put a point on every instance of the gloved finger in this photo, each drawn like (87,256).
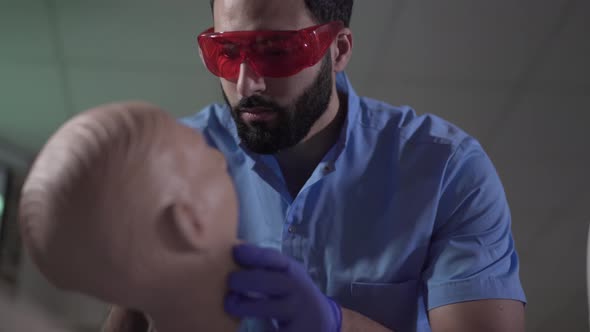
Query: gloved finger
(251,256)
(280,308)
(269,283)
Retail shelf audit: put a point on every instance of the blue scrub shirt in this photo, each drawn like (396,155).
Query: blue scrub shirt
(404,214)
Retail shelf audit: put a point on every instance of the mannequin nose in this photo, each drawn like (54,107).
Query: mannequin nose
(249,82)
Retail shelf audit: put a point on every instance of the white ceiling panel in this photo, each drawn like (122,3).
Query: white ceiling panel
(567,59)
(25,34)
(153,31)
(31,106)
(472,108)
(464,39)
(180,93)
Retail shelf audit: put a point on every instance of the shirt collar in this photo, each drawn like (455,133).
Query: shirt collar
(344,86)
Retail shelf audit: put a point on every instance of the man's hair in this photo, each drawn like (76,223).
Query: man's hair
(325,11)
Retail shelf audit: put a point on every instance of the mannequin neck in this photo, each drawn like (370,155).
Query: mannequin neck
(197,305)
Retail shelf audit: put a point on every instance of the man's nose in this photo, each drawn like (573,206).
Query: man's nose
(249,82)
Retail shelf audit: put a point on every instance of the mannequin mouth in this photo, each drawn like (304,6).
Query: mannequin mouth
(253,114)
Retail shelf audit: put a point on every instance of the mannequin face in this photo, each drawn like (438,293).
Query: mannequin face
(127,205)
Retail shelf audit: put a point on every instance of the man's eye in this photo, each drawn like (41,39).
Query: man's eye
(269,47)
(231,51)
(275,51)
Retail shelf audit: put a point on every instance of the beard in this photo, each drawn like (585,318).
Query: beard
(292,123)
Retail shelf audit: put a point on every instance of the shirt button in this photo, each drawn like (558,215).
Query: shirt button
(327,168)
(292,229)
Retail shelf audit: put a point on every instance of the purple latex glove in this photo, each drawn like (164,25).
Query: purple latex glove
(271,285)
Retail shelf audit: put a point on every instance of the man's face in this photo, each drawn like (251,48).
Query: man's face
(273,114)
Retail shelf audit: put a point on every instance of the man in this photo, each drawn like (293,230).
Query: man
(361,216)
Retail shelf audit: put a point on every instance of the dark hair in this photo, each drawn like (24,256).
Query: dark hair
(325,11)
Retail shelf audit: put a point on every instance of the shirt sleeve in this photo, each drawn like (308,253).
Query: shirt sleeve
(472,255)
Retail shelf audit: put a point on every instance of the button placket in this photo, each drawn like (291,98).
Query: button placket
(294,215)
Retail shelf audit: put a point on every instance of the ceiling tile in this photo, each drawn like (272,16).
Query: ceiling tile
(463,39)
(180,93)
(32,106)
(25,32)
(154,31)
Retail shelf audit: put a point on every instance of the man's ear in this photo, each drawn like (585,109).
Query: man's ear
(181,229)
(343,49)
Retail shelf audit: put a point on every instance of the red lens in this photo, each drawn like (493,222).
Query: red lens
(269,53)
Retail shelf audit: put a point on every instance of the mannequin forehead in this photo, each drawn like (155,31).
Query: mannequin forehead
(145,161)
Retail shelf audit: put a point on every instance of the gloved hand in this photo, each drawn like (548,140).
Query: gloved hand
(271,285)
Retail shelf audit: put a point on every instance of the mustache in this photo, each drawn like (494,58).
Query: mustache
(255,102)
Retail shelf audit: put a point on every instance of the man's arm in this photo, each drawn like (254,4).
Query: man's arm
(480,315)
(352,321)
(472,273)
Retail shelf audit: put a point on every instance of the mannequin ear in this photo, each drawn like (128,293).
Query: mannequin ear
(180,228)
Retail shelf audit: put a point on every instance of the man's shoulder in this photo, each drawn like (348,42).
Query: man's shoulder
(416,141)
(408,125)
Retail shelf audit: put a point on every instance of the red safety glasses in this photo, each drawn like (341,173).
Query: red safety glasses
(268,53)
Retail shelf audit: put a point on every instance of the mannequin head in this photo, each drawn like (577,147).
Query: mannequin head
(127,205)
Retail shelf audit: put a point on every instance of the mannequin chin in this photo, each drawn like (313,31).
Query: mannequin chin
(127,205)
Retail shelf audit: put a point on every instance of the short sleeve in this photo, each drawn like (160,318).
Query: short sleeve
(472,255)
